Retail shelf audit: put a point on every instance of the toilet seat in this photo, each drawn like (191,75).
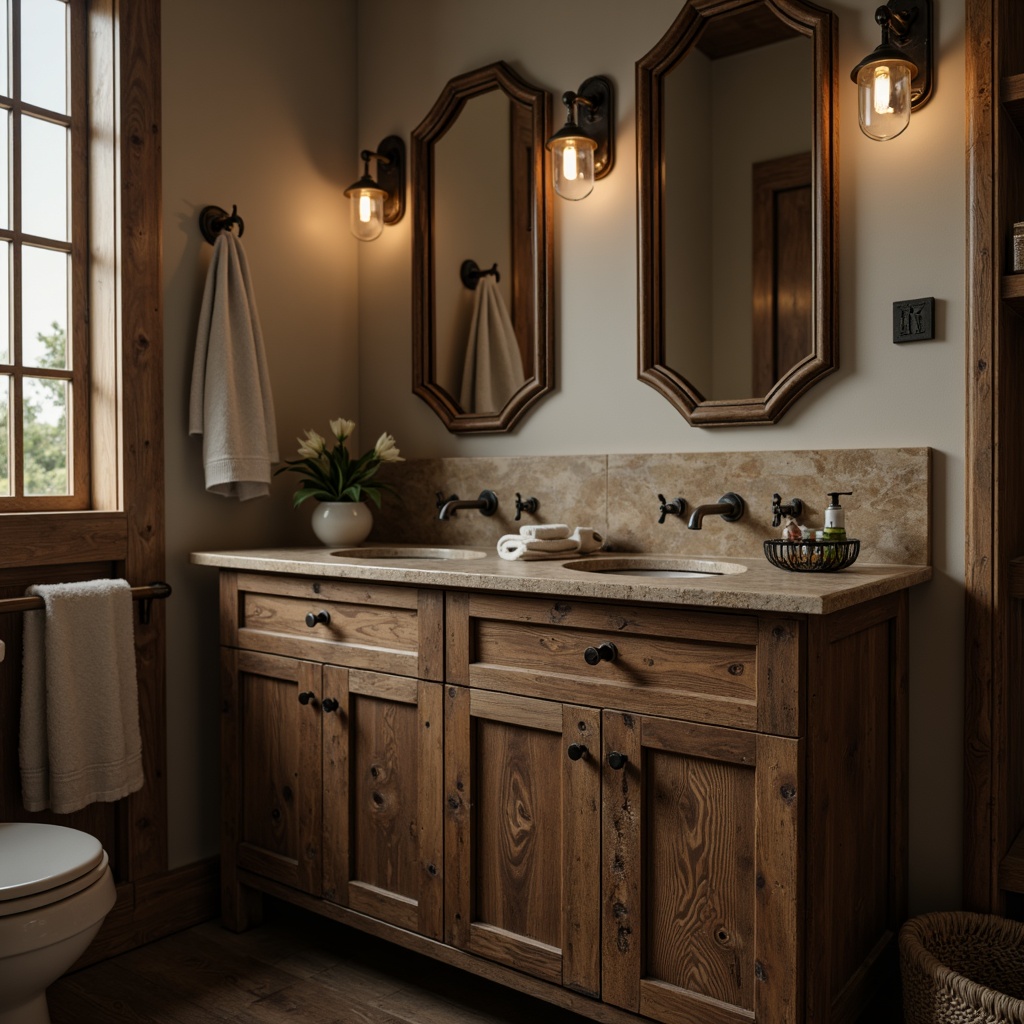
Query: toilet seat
(41,864)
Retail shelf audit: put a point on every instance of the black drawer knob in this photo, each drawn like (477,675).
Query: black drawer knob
(329,704)
(312,618)
(602,652)
(307,696)
(617,760)
(576,751)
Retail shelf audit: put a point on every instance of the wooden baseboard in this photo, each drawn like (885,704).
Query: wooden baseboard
(154,907)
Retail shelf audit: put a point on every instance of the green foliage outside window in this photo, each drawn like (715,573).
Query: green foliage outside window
(45,426)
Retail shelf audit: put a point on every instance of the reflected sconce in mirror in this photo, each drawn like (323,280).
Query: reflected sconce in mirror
(380,202)
(896,76)
(584,149)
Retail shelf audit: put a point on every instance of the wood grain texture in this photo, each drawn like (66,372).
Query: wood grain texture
(297,967)
(581,845)
(279,830)
(141,247)
(669,663)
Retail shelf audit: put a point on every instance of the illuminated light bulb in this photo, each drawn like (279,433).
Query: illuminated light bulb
(883,90)
(883,98)
(570,169)
(365,208)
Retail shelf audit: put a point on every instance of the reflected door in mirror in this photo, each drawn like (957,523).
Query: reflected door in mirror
(737,208)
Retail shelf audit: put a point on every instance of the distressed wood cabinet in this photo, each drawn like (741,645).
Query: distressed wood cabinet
(629,810)
(331,768)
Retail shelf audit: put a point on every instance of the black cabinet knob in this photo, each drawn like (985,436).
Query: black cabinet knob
(329,704)
(576,751)
(312,618)
(307,696)
(602,652)
(617,760)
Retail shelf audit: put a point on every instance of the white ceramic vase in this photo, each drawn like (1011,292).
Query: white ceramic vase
(339,523)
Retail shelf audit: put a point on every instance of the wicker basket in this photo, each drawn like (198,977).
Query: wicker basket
(961,968)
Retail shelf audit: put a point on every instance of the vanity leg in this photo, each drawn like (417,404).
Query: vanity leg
(241,908)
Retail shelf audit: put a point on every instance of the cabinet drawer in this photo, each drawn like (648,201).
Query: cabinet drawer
(724,669)
(385,629)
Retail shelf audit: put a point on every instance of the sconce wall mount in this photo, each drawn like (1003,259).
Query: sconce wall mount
(380,202)
(898,75)
(583,150)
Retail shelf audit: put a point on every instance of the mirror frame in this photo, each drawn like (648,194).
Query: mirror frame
(821,25)
(537,277)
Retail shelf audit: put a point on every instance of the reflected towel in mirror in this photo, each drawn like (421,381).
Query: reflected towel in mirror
(493,370)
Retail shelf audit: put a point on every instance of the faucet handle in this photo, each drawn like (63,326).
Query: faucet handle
(529,505)
(794,507)
(442,500)
(671,508)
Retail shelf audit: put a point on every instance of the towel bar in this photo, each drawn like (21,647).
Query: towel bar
(144,595)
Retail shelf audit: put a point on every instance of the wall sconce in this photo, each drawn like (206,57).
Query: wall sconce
(380,202)
(584,150)
(897,75)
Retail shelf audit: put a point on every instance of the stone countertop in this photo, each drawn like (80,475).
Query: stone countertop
(750,584)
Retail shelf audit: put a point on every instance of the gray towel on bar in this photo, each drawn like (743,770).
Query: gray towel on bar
(231,403)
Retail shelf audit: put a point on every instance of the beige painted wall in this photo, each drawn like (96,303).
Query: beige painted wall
(270,113)
(902,235)
(258,109)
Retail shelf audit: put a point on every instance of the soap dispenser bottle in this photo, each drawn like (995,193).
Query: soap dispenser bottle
(835,517)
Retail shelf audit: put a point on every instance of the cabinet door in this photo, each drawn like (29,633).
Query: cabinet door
(522,834)
(701,872)
(382,772)
(271,755)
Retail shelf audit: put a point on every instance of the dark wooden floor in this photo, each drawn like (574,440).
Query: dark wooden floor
(297,967)
(292,968)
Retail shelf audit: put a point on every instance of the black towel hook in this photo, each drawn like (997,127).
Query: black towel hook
(213,220)
(470,273)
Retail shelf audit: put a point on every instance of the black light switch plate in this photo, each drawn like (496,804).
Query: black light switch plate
(913,320)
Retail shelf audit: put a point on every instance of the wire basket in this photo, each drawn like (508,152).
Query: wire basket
(812,555)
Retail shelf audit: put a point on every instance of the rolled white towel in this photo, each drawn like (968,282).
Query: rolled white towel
(587,539)
(514,547)
(544,531)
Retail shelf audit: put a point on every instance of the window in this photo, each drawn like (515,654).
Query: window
(44,389)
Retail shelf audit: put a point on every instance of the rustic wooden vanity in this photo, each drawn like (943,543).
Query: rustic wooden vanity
(678,799)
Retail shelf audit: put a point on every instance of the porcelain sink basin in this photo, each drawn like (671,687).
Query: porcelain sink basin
(665,566)
(407,551)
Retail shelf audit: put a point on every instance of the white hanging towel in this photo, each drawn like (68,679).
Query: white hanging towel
(493,370)
(80,739)
(231,403)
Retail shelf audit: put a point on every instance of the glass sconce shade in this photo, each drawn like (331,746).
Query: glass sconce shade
(883,97)
(572,159)
(584,149)
(897,75)
(366,209)
(372,204)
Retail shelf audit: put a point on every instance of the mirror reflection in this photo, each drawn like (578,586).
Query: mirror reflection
(482,251)
(479,356)
(737,208)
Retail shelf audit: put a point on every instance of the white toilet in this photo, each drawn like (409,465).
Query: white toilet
(55,891)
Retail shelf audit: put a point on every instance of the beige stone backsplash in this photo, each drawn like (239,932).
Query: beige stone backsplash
(889,511)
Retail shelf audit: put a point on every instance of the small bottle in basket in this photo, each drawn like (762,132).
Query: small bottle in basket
(835,517)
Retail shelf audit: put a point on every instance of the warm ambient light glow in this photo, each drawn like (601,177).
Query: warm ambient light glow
(366,215)
(883,89)
(883,98)
(569,171)
(572,160)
